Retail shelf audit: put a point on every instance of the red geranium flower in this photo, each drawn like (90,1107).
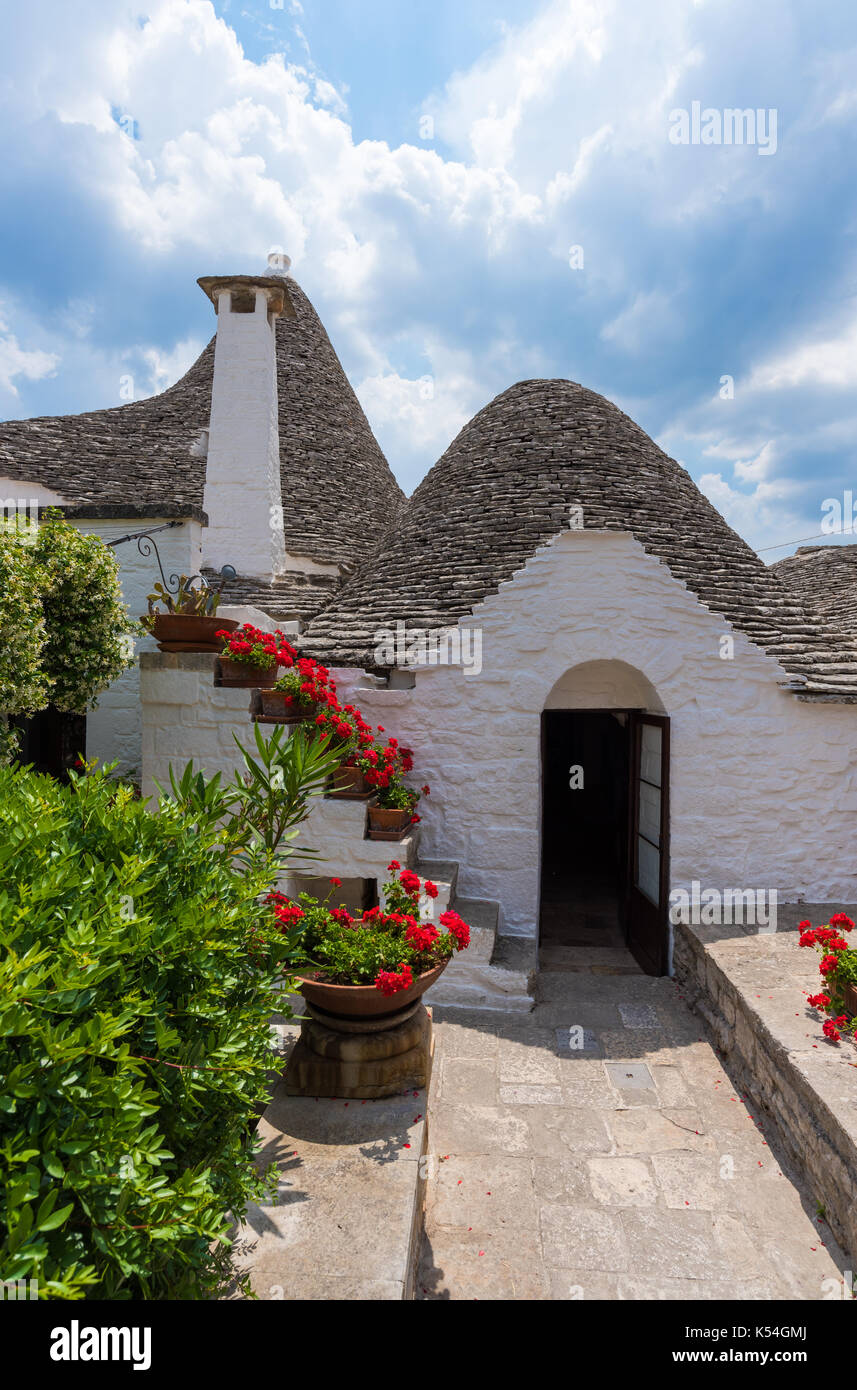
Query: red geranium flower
(421,937)
(390,982)
(457,928)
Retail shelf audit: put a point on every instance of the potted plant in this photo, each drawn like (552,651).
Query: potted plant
(250,657)
(349,729)
(298,695)
(375,964)
(838,969)
(395,811)
(186,621)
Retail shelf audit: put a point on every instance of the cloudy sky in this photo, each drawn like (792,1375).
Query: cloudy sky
(472,192)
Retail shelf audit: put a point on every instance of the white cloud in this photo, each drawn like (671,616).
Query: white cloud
(766,516)
(15,361)
(165,368)
(756,470)
(648,319)
(823,360)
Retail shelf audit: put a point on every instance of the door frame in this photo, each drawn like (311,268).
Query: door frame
(625,887)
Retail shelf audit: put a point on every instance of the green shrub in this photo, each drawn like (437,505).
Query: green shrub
(66,634)
(24,686)
(87,625)
(136,987)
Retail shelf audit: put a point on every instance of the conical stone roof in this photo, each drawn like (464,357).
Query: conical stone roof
(507,484)
(825,577)
(337,487)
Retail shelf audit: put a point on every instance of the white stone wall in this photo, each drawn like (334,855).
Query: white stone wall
(764,787)
(114,729)
(186,717)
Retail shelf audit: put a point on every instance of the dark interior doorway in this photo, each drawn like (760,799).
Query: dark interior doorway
(584,829)
(51,741)
(605,834)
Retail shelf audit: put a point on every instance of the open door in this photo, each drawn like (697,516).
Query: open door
(648,850)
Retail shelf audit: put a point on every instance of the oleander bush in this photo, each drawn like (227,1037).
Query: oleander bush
(137,980)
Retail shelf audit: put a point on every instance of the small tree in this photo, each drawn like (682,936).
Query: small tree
(87,625)
(64,632)
(24,686)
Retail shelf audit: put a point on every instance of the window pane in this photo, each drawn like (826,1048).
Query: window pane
(650,813)
(650,753)
(648,870)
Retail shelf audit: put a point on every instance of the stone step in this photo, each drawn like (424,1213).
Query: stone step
(443,872)
(482,916)
(495,972)
(481,986)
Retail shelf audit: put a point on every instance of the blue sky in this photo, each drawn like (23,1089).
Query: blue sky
(429,167)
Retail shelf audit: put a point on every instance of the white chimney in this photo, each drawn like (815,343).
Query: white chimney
(242,479)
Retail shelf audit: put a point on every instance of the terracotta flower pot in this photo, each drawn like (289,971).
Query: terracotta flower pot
(365,1001)
(275,707)
(850,992)
(348,781)
(186,632)
(241,674)
(386,823)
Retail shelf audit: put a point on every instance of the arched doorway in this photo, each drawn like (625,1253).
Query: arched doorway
(605,815)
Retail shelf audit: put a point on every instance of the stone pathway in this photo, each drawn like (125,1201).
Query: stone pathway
(628,1168)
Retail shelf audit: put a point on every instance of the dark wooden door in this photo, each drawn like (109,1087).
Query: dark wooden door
(648,857)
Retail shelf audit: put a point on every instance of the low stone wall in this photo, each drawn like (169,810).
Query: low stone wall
(751,990)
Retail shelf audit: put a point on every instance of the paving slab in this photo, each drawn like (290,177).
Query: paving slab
(665,1184)
(344,1220)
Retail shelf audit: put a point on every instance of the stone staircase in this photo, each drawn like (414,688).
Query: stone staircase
(495,972)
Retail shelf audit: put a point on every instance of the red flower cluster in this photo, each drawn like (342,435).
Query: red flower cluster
(832,946)
(390,982)
(286,912)
(308,685)
(410,882)
(457,928)
(830,1028)
(252,647)
(824,936)
(421,937)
